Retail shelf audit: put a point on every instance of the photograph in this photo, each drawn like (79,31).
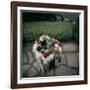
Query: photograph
(49,44)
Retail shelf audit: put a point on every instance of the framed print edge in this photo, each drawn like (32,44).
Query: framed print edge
(13,47)
(14,38)
(86,44)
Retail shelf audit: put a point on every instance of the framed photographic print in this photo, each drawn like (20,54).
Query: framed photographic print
(48,44)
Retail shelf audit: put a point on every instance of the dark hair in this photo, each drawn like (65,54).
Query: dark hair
(43,43)
(39,48)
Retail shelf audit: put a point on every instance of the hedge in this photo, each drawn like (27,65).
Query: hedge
(59,30)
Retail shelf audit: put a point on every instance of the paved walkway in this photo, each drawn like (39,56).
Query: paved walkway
(69,64)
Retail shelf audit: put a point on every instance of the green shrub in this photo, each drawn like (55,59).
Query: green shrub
(59,30)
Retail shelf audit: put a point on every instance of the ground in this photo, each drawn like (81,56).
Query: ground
(69,64)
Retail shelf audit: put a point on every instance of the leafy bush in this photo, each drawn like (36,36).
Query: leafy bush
(59,30)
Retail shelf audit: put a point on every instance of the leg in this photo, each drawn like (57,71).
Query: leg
(41,65)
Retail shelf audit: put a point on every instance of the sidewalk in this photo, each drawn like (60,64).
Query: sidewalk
(69,64)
